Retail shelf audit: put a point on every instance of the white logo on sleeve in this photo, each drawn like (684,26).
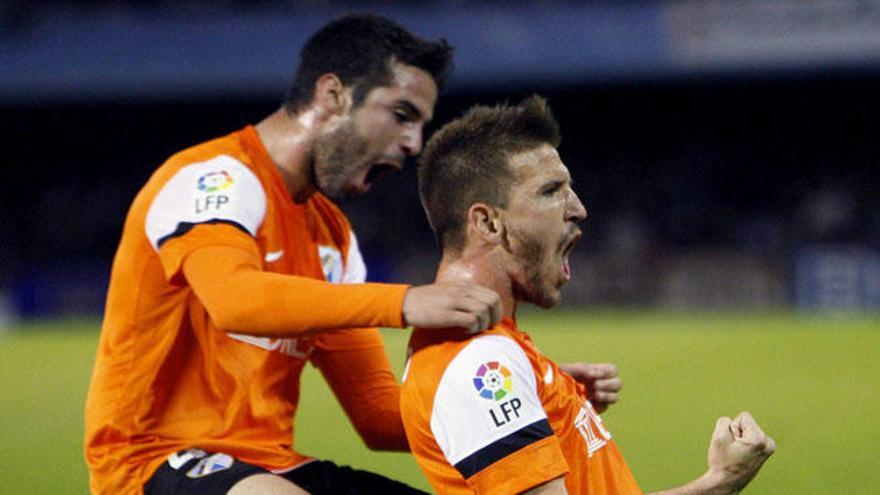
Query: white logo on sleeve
(494,382)
(215,181)
(273,256)
(548,376)
(214,187)
(590,426)
(178,459)
(488,391)
(210,465)
(221,189)
(298,348)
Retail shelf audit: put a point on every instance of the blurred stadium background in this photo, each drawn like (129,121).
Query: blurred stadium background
(727,152)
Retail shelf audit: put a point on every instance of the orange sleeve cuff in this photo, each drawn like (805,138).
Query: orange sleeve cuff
(526,468)
(382,304)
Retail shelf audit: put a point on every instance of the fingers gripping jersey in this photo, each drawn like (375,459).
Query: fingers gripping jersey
(490,414)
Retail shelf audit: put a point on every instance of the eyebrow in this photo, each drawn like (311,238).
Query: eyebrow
(557,182)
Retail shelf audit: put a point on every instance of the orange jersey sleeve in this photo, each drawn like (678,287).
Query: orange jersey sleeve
(474,418)
(489,414)
(228,279)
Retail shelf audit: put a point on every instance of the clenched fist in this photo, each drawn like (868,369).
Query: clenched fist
(738,449)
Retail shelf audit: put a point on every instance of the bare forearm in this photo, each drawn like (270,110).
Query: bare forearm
(552,487)
(737,451)
(708,484)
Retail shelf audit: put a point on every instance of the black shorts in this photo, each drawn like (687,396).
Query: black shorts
(196,472)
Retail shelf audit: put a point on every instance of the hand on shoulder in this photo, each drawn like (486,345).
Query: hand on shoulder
(452,304)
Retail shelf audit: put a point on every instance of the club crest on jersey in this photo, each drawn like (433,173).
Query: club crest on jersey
(493,381)
(215,181)
(331,263)
(210,465)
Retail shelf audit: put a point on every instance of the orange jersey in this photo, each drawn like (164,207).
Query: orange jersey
(166,378)
(490,414)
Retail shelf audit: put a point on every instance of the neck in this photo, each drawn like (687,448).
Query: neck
(481,267)
(289,140)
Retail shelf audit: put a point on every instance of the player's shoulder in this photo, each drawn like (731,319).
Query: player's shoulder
(434,351)
(224,157)
(487,392)
(212,165)
(489,343)
(202,185)
(230,145)
(489,352)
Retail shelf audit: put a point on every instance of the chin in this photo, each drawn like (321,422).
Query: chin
(546,299)
(538,290)
(337,191)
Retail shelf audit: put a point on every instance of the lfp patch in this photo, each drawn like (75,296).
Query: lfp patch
(215,181)
(209,465)
(493,381)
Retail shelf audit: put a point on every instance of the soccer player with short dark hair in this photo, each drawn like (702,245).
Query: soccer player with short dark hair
(489,413)
(235,268)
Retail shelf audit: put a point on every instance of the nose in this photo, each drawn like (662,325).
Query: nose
(411,140)
(575,211)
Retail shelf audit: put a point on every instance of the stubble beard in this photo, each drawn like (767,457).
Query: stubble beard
(338,156)
(534,287)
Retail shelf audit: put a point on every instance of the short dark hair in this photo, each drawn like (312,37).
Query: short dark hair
(359,49)
(466,162)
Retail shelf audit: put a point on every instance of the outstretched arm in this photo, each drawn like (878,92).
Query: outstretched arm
(737,451)
(240,297)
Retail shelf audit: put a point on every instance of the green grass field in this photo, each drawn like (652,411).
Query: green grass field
(811,381)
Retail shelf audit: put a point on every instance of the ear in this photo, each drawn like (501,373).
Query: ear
(331,95)
(485,222)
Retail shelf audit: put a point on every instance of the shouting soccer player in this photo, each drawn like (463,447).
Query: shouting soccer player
(489,413)
(233,266)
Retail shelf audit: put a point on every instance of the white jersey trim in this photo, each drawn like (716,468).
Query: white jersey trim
(355,268)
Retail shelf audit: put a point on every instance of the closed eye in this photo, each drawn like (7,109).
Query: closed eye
(406,112)
(551,189)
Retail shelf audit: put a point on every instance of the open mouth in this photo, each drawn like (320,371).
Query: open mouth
(566,250)
(378,170)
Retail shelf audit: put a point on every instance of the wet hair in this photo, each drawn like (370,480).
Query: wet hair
(360,49)
(466,162)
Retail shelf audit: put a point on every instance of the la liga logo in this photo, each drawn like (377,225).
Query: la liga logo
(493,381)
(215,181)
